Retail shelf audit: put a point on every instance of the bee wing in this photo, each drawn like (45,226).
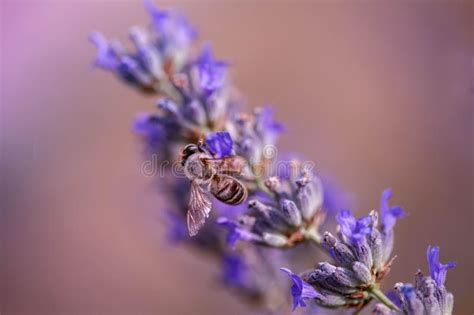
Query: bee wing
(198,210)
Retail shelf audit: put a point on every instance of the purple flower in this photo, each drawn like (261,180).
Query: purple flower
(149,127)
(106,57)
(438,270)
(300,290)
(389,214)
(235,232)
(355,230)
(171,26)
(220,144)
(158,16)
(255,134)
(131,68)
(291,216)
(212,72)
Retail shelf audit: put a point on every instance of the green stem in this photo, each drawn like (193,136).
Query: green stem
(313,236)
(379,295)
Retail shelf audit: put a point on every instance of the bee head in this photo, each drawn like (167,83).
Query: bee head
(189,150)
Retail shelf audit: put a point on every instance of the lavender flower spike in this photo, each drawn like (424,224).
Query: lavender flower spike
(228,154)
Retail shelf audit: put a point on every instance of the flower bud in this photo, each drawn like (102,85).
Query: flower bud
(291,212)
(346,277)
(275,240)
(309,195)
(341,252)
(328,299)
(363,253)
(362,272)
(272,215)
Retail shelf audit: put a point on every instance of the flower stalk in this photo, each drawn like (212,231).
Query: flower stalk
(197,108)
(381,297)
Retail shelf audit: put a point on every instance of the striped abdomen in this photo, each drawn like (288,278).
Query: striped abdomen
(228,189)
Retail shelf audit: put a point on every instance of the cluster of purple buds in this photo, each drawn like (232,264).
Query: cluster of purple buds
(291,214)
(196,103)
(161,49)
(361,254)
(255,135)
(177,124)
(194,97)
(428,295)
(190,116)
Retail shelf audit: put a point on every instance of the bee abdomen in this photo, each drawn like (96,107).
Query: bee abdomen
(228,189)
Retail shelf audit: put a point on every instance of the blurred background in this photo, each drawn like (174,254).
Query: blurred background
(377,94)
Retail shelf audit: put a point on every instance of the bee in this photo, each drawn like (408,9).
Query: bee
(208,174)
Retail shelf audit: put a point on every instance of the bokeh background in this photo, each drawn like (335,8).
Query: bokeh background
(378,94)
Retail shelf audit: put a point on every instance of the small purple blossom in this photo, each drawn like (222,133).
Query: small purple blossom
(389,214)
(111,56)
(212,72)
(255,134)
(300,290)
(236,232)
(148,126)
(171,26)
(159,17)
(438,270)
(355,230)
(220,144)
(106,56)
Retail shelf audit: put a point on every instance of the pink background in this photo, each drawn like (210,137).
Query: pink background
(376,94)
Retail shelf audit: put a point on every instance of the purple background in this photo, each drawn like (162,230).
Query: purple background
(376,94)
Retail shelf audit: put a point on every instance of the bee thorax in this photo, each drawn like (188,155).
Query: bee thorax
(195,169)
